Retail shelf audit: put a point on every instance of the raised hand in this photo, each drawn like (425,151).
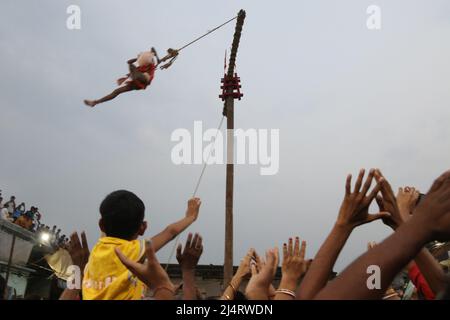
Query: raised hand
(354,210)
(242,272)
(150,272)
(193,208)
(189,257)
(388,202)
(244,267)
(407,199)
(259,284)
(294,264)
(188,260)
(293,267)
(79,250)
(434,210)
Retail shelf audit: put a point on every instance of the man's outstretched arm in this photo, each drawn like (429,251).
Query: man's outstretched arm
(353,212)
(431,220)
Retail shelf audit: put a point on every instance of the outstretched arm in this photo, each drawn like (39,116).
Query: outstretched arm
(401,207)
(431,220)
(174,229)
(353,212)
(390,257)
(132,61)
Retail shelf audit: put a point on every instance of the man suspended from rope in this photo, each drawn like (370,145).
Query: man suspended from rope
(140,76)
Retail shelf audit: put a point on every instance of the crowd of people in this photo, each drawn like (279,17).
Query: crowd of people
(31,220)
(123,266)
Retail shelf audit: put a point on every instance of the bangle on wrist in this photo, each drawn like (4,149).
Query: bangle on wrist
(287,292)
(386,297)
(389,294)
(233,287)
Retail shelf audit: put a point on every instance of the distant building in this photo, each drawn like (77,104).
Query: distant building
(15,262)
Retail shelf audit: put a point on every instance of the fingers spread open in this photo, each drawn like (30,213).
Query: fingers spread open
(290,246)
(368,182)
(303,250)
(375,190)
(348,185)
(179,251)
(194,241)
(359,180)
(188,240)
(297,246)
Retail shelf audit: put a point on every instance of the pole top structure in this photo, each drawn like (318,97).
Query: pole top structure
(237,37)
(231,80)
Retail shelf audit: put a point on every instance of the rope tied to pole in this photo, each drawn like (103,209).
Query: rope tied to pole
(206,34)
(196,189)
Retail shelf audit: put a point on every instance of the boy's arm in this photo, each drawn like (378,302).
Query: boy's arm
(174,229)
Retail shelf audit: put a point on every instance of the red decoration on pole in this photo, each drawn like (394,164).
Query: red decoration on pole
(231,87)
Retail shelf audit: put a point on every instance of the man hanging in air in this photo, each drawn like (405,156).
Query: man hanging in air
(141,74)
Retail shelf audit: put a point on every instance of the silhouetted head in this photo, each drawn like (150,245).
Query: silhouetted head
(122,215)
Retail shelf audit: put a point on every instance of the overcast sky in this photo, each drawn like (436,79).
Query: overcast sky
(342,96)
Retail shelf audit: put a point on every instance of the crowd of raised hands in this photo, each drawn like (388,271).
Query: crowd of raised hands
(415,219)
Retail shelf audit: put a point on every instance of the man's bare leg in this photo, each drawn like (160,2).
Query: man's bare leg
(112,95)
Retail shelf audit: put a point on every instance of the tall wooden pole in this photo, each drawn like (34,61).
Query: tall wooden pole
(229,112)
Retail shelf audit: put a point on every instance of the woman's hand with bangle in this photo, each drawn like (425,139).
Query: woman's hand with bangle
(293,267)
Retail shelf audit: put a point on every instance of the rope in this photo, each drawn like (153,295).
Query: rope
(193,41)
(210,31)
(195,190)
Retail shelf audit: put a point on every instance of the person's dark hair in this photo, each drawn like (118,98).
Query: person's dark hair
(122,214)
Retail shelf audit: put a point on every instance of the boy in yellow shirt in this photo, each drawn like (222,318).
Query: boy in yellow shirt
(122,220)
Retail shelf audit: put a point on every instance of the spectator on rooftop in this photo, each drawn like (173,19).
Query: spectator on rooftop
(20,210)
(11,205)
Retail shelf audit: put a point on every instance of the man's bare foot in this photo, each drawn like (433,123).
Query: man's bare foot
(90,103)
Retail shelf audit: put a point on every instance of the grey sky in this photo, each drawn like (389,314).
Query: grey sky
(342,96)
